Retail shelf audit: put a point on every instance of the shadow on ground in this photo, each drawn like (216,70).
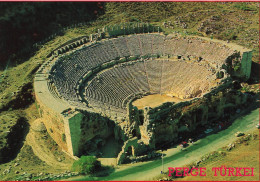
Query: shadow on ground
(15,141)
(105,171)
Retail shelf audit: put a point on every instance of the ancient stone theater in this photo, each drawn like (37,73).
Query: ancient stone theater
(136,89)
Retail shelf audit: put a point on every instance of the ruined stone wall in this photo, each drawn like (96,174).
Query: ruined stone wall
(246,64)
(133,118)
(164,124)
(84,131)
(73,132)
(54,124)
(133,143)
(94,130)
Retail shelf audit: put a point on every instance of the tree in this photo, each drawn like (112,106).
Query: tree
(86,165)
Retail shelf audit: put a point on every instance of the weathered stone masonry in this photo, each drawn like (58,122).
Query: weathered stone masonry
(80,118)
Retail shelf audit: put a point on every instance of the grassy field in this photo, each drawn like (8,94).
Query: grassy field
(236,22)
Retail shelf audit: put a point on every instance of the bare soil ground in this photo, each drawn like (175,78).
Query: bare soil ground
(38,157)
(47,151)
(155,100)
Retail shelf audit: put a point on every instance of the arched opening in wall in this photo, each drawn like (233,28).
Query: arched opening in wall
(227,111)
(163,145)
(134,133)
(220,74)
(164,136)
(254,76)
(129,151)
(184,136)
(198,133)
(106,142)
(236,84)
(199,115)
(111,147)
(99,145)
(141,116)
(212,112)
(185,121)
(129,154)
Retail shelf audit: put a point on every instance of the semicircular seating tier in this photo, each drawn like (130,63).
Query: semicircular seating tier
(184,67)
(171,77)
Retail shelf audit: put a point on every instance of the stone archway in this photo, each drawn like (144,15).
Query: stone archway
(128,145)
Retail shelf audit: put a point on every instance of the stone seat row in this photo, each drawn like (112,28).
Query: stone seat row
(114,85)
(72,68)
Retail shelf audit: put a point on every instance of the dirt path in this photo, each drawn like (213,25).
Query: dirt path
(36,141)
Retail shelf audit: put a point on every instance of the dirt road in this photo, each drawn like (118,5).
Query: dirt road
(40,148)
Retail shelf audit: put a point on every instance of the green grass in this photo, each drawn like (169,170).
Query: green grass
(245,7)
(7,121)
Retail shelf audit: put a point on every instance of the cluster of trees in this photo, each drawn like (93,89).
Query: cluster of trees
(24,23)
(86,165)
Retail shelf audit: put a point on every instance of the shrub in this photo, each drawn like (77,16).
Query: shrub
(63,137)
(244,7)
(86,165)
(237,66)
